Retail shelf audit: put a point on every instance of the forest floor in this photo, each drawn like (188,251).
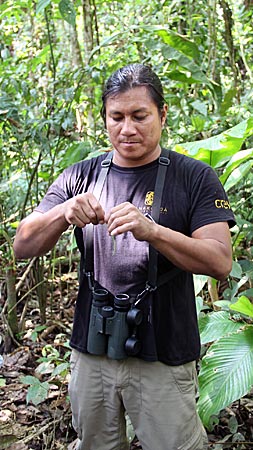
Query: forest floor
(35,411)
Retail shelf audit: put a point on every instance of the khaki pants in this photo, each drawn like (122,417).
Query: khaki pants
(159,399)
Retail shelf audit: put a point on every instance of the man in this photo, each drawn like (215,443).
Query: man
(156,386)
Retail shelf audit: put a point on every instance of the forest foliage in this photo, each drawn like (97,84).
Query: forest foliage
(54,59)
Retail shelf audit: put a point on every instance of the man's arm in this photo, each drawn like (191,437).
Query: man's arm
(39,232)
(208,251)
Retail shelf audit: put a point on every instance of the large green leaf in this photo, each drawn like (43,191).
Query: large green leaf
(215,325)
(41,5)
(67,11)
(235,161)
(238,174)
(199,282)
(228,100)
(192,73)
(220,148)
(226,373)
(243,306)
(179,42)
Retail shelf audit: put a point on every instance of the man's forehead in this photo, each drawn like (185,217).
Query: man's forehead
(114,109)
(137,98)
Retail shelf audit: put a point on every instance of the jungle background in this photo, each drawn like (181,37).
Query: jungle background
(55,56)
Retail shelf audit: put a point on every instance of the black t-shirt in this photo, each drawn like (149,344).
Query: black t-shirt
(192,197)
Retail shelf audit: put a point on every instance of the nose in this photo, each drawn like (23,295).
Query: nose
(128,127)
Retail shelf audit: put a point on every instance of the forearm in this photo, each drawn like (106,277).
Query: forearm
(39,232)
(207,256)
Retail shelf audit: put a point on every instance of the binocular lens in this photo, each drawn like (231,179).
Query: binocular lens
(132,346)
(121,300)
(134,316)
(107,311)
(100,294)
(100,297)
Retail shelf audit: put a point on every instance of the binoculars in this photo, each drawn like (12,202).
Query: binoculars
(110,326)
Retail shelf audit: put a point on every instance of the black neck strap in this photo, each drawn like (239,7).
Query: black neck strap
(97,191)
(164,162)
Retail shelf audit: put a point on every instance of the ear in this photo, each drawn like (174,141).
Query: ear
(164,114)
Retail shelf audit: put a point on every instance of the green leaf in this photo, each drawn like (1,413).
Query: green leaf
(199,282)
(2,382)
(36,394)
(246,265)
(198,122)
(45,367)
(29,379)
(199,304)
(224,304)
(192,72)
(236,271)
(243,306)
(220,148)
(228,101)
(75,152)
(60,369)
(238,174)
(215,325)
(179,42)
(233,424)
(41,5)
(200,107)
(67,11)
(40,58)
(235,161)
(226,373)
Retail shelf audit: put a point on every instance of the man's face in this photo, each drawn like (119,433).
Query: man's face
(134,126)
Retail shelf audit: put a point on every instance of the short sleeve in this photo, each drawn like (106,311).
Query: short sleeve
(209,202)
(71,181)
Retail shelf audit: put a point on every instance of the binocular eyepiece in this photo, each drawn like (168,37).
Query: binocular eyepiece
(110,327)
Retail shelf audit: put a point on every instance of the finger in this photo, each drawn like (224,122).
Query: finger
(124,228)
(77,218)
(90,209)
(95,212)
(122,210)
(84,209)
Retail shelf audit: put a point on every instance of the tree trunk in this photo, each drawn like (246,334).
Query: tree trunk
(228,36)
(90,34)
(212,41)
(11,300)
(41,288)
(76,59)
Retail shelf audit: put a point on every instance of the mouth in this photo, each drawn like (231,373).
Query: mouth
(129,142)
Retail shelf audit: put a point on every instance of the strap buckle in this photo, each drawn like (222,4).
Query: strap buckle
(164,160)
(141,295)
(106,162)
(89,276)
(149,287)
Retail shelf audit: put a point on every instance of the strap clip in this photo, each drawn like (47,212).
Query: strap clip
(106,163)
(142,295)
(89,276)
(164,160)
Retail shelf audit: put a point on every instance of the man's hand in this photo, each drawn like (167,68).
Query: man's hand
(126,217)
(83,209)
(39,232)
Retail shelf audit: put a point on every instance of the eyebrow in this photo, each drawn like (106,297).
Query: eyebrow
(143,109)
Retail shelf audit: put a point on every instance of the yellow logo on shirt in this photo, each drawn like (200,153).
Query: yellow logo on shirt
(222,204)
(149,198)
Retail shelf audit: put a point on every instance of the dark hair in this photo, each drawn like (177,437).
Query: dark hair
(131,76)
